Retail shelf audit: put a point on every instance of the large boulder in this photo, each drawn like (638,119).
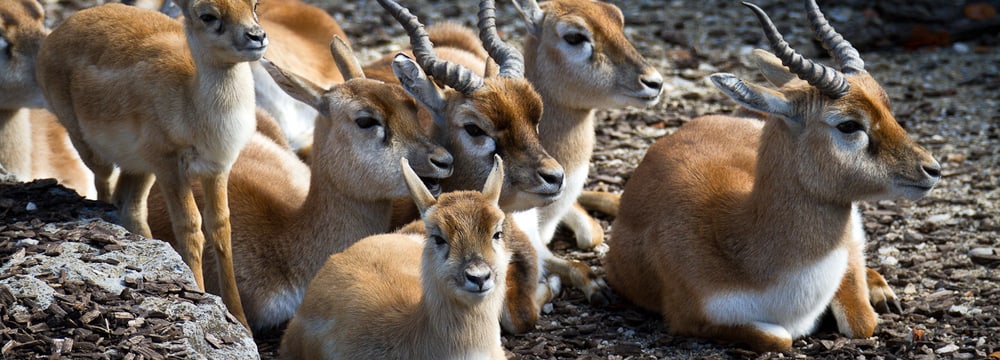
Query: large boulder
(88,288)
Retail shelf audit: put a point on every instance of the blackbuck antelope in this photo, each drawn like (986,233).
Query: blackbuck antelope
(408,296)
(482,116)
(578,58)
(287,219)
(746,229)
(136,89)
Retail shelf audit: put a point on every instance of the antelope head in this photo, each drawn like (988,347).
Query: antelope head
(581,57)
(483,117)
(847,145)
(227,29)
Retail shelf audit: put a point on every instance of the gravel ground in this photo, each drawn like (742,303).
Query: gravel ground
(938,253)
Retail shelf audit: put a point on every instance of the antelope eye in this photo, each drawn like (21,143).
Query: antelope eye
(366,122)
(208,18)
(498,235)
(849,126)
(438,240)
(574,38)
(474,130)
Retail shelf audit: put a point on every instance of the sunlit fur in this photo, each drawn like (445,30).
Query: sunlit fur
(603,71)
(746,229)
(287,219)
(22,29)
(300,43)
(400,296)
(153,96)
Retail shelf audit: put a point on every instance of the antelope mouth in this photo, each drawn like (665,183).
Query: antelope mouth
(433,184)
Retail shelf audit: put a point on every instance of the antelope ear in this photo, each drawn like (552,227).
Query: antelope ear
(418,191)
(492,69)
(769,65)
(494,183)
(419,86)
(532,14)
(754,97)
(296,86)
(347,63)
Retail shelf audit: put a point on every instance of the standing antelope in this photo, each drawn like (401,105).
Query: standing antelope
(139,90)
(578,58)
(406,296)
(287,219)
(746,230)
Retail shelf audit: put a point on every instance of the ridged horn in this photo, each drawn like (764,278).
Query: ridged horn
(510,59)
(454,75)
(847,56)
(829,81)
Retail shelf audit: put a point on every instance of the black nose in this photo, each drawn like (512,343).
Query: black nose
(933,171)
(551,177)
(479,280)
(654,83)
(257,35)
(442,160)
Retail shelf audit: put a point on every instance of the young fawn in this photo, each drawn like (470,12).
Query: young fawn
(136,89)
(578,58)
(399,296)
(22,29)
(746,229)
(287,219)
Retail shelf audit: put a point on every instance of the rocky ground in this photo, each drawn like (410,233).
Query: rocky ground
(938,253)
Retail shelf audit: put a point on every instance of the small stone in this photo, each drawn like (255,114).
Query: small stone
(31,206)
(950,348)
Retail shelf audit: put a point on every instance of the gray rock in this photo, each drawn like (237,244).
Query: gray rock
(152,260)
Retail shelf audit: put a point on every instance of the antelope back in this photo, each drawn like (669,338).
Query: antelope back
(581,45)
(22,29)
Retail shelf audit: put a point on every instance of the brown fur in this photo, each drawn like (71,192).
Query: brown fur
(301,36)
(401,296)
(731,204)
(614,75)
(131,91)
(286,227)
(23,28)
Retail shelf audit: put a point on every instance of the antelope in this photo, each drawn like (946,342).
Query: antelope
(580,45)
(161,99)
(472,139)
(22,29)
(288,219)
(746,229)
(406,296)
(300,37)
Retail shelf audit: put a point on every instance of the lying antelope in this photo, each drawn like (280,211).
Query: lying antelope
(287,219)
(406,296)
(580,45)
(747,229)
(136,89)
(476,121)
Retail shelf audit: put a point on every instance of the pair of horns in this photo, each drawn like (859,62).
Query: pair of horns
(464,80)
(831,82)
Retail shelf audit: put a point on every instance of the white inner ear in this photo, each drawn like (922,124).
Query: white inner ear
(772,69)
(578,53)
(754,97)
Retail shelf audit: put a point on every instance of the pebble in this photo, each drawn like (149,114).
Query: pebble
(31,206)
(950,348)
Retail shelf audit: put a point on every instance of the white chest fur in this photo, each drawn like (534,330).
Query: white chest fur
(795,300)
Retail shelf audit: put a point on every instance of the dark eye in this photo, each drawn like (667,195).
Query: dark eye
(438,240)
(498,235)
(208,18)
(849,126)
(474,130)
(366,122)
(574,38)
